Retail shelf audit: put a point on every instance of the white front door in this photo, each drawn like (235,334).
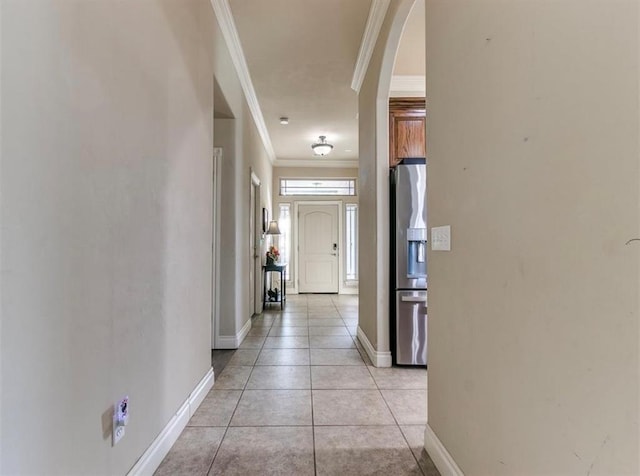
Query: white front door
(318,248)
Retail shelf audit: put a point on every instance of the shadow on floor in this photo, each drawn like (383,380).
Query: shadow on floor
(220,359)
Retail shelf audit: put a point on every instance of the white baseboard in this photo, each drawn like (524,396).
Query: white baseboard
(233,342)
(153,456)
(351,290)
(378,359)
(226,342)
(439,454)
(200,392)
(243,332)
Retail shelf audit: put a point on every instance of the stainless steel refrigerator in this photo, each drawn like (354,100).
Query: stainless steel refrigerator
(409,264)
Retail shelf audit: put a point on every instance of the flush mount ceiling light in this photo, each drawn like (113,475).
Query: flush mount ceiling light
(322,147)
(284,120)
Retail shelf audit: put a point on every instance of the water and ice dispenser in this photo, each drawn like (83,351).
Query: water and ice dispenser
(416,253)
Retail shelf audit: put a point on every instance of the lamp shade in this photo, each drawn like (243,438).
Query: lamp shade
(273,228)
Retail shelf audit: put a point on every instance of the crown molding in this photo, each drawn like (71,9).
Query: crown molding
(376,16)
(318,162)
(230,34)
(408,84)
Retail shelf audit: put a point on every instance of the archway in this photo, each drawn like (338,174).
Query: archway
(373,101)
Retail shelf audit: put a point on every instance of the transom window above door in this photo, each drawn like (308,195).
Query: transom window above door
(331,187)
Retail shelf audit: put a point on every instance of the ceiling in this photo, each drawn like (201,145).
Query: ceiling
(303,68)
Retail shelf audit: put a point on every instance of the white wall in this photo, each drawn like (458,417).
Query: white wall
(533,161)
(107,117)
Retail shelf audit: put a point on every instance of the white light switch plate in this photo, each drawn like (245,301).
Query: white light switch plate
(441,238)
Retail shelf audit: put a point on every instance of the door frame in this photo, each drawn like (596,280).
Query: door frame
(257,251)
(296,232)
(215,245)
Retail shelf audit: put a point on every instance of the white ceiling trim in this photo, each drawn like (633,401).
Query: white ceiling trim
(230,33)
(413,84)
(319,162)
(376,16)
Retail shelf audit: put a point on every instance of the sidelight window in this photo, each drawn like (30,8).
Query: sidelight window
(351,241)
(284,239)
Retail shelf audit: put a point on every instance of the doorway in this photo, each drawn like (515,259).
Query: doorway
(318,248)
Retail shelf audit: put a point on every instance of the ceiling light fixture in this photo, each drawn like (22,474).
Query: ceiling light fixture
(284,120)
(322,147)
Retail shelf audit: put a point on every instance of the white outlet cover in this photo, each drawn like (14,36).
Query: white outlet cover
(120,419)
(118,433)
(441,238)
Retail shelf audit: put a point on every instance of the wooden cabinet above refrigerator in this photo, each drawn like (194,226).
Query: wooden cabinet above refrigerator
(407,126)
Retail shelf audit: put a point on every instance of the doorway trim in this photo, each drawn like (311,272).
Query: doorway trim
(257,243)
(215,246)
(295,242)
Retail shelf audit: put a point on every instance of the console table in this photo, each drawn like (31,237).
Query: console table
(275,268)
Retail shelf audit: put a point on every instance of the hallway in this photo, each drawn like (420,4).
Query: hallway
(300,397)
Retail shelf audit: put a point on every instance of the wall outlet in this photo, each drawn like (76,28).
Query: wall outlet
(441,238)
(118,433)
(120,419)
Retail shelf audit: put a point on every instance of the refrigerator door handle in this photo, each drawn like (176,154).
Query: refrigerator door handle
(413,298)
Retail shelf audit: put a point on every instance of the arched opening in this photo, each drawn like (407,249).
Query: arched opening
(374,329)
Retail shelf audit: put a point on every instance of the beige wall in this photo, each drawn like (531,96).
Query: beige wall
(106,223)
(304,172)
(243,152)
(533,161)
(254,159)
(373,169)
(410,58)
(224,131)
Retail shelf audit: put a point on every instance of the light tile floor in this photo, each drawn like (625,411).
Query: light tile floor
(300,397)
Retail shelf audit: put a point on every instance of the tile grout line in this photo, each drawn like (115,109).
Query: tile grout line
(395,419)
(235,408)
(411,450)
(313,420)
(298,425)
(245,388)
(253,368)
(313,428)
